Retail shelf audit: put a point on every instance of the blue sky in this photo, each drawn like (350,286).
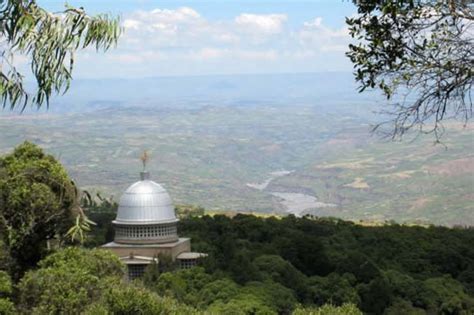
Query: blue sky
(165,38)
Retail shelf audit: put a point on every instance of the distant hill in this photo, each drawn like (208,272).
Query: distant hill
(196,91)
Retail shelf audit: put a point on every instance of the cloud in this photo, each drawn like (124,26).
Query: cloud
(315,35)
(209,53)
(314,23)
(161,19)
(269,23)
(182,41)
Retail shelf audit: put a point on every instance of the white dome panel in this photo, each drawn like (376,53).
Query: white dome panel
(145,202)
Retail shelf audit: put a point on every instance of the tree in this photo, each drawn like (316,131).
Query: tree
(327,309)
(97,262)
(334,289)
(242,304)
(274,295)
(359,265)
(281,271)
(402,307)
(38,201)
(422,49)
(49,41)
(446,296)
(68,281)
(124,299)
(6,306)
(222,290)
(80,281)
(375,296)
(183,285)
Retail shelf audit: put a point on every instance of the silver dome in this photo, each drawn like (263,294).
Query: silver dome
(145,202)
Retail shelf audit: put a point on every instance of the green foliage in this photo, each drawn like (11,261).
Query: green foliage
(420,47)
(334,289)
(6,261)
(281,271)
(359,265)
(5,284)
(183,285)
(68,281)
(243,304)
(375,296)
(102,212)
(402,307)
(49,41)
(404,285)
(199,289)
(7,307)
(58,290)
(274,295)
(81,281)
(97,262)
(126,299)
(242,269)
(447,296)
(391,268)
(467,279)
(377,269)
(151,274)
(172,285)
(222,291)
(78,231)
(37,202)
(327,309)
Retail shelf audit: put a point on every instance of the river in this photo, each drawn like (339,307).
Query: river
(294,203)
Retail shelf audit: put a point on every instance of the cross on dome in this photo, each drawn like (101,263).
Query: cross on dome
(144,158)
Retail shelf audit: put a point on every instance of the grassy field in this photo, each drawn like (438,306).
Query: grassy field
(207,155)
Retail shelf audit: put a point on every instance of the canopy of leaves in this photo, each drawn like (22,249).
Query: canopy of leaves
(377,270)
(68,281)
(37,202)
(6,289)
(346,309)
(374,268)
(80,281)
(97,262)
(421,49)
(49,41)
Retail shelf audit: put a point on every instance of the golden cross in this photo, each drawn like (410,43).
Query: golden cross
(144,158)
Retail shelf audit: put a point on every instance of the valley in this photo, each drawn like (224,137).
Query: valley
(297,155)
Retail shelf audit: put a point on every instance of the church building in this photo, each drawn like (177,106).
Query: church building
(146,226)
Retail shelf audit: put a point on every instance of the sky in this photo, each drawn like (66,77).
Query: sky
(180,38)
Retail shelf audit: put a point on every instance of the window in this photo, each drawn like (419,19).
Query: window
(187,263)
(146,232)
(135,271)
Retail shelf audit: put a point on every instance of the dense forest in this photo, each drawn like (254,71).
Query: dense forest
(284,262)
(256,265)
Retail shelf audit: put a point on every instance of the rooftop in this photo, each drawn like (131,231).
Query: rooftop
(145,202)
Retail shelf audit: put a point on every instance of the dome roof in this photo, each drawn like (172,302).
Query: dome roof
(145,202)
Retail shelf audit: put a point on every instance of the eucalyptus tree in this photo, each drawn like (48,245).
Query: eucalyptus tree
(420,54)
(49,42)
